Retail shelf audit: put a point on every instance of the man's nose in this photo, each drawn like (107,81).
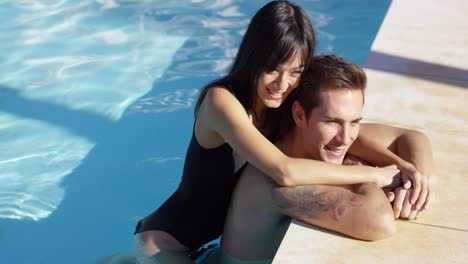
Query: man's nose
(345,136)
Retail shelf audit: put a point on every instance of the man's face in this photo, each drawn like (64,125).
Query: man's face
(333,126)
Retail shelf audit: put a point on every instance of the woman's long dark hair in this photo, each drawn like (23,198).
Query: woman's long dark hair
(278,31)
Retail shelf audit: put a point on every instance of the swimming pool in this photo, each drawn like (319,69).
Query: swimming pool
(96,109)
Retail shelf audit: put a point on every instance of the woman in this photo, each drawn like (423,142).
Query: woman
(232,116)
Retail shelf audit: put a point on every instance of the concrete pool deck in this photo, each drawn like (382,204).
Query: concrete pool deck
(418,78)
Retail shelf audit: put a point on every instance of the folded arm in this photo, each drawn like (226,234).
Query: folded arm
(410,150)
(361,211)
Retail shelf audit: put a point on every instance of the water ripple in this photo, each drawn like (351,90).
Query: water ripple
(160,160)
(166,102)
(93,56)
(32,166)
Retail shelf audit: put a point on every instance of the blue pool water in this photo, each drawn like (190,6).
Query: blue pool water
(96,109)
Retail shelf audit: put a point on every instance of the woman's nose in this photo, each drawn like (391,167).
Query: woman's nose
(282,82)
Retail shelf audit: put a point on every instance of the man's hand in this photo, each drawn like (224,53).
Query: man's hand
(402,208)
(399,191)
(420,196)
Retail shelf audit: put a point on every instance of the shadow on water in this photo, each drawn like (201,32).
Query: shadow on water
(79,122)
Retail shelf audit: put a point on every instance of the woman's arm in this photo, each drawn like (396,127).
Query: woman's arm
(225,116)
(410,150)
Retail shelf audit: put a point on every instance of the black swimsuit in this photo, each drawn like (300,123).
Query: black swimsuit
(195,213)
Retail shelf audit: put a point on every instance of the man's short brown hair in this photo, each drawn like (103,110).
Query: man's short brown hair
(328,72)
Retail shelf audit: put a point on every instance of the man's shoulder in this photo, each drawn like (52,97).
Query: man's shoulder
(252,175)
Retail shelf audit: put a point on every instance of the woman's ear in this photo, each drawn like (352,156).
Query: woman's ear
(298,114)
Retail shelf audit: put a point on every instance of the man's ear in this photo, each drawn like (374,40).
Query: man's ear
(298,114)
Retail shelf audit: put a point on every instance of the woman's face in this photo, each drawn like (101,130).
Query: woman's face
(275,86)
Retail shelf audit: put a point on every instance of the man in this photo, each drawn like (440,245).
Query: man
(322,124)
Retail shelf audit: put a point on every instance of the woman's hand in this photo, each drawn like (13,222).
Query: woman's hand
(388,177)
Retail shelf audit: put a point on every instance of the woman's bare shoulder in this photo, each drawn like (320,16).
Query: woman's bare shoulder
(220,100)
(218,94)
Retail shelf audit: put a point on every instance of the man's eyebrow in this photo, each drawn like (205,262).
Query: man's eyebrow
(339,119)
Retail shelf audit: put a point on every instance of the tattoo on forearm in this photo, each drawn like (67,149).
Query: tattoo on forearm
(306,202)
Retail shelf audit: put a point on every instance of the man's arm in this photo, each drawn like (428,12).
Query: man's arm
(415,148)
(361,211)
(410,150)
